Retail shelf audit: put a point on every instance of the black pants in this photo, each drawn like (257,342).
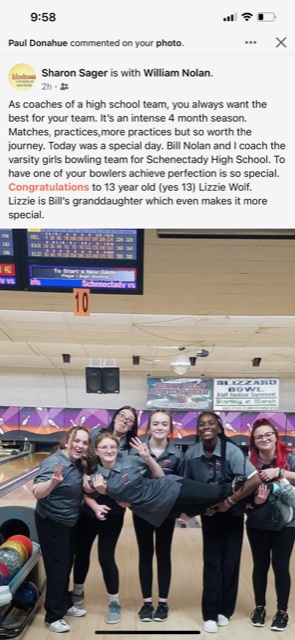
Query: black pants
(107,532)
(194,497)
(147,536)
(57,546)
(275,547)
(222,545)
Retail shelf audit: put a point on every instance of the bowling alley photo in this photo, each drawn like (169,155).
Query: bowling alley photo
(147,433)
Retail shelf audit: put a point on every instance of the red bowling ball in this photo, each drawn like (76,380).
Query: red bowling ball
(23,540)
(4,574)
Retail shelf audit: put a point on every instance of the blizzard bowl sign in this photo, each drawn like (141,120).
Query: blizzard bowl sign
(244,394)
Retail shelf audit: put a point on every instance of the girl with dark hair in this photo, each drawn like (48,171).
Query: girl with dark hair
(158,432)
(271,535)
(212,460)
(123,425)
(59,493)
(104,521)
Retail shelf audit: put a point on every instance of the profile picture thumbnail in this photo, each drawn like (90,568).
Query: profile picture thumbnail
(22,77)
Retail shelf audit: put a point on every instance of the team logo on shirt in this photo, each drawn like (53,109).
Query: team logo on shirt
(166,464)
(125,478)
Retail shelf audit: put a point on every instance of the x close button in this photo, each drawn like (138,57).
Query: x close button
(281,42)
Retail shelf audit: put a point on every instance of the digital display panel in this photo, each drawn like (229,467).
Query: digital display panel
(100,244)
(102,260)
(9,272)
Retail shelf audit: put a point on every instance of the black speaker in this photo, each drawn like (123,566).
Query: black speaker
(110,380)
(93,379)
(102,379)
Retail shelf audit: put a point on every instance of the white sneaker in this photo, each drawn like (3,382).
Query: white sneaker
(222,621)
(59,626)
(284,481)
(75,611)
(210,626)
(288,492)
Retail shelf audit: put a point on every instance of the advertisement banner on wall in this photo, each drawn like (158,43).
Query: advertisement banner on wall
(176,393)
(259,394)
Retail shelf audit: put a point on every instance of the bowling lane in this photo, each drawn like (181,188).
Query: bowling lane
(16,467)
(23,496)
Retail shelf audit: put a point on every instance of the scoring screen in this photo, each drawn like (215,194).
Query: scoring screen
(8,276)
(102,260)
(101,244)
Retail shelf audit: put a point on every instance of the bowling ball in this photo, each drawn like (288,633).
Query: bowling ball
(26,594)
(4,575)
(12,559)
(24,540)
(14,544)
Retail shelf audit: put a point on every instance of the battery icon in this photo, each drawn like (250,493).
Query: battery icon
(267,16)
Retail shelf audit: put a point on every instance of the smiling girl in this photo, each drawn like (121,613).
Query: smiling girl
(274,460)
(104,519)
(214,459)
(170,459)
(59,493)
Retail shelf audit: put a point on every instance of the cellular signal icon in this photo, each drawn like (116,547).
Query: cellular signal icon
(232,18)
(247,15)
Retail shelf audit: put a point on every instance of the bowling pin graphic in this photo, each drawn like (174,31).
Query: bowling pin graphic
(52,423)
(230,427)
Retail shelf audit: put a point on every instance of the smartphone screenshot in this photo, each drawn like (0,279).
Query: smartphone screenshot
(164,116)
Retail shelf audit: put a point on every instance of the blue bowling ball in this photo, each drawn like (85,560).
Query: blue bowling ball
(26,594)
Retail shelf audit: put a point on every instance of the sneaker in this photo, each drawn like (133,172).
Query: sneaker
(285,510)
(279,621)
(287,493)
(282,499)
(210,626)
(146,612)
(59,626)
(76,600)
(161,612)
(278,487)
(76,612)
(114,613)
(222,621)
(257,617)
(284,481)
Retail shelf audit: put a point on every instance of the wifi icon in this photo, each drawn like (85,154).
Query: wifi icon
(247,15)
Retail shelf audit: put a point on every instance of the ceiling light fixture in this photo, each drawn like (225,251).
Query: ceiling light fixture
(180,364)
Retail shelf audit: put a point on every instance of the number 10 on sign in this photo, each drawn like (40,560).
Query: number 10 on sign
(81,302)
